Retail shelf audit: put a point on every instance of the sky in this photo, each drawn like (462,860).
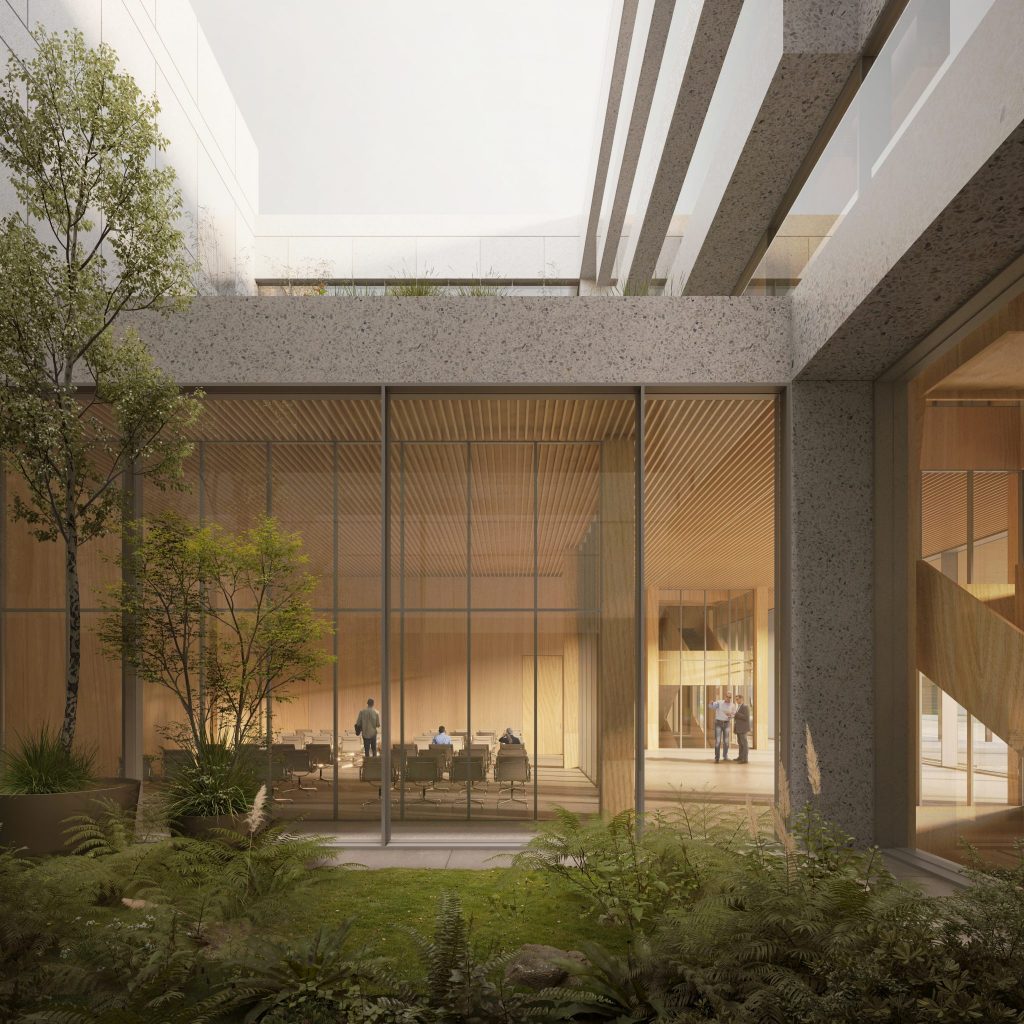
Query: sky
(418,106)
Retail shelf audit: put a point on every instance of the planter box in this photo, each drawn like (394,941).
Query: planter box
(36,822)
(197,826)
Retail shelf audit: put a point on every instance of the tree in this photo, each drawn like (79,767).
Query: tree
(81,404)
(237,604)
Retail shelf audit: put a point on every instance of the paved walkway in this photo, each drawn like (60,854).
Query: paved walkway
(397,856)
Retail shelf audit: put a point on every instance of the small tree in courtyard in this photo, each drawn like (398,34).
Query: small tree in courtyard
(236,605)
(81,404)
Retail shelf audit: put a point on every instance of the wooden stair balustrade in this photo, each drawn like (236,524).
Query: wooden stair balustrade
(972,652)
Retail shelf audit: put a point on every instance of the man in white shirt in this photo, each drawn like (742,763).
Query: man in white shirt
(442,737)
(725,711)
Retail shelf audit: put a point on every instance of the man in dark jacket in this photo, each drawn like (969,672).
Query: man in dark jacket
(741,726)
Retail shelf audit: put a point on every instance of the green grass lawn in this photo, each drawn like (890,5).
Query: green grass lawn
(506,908)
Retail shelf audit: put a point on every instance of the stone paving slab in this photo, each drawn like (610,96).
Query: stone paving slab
(396,856)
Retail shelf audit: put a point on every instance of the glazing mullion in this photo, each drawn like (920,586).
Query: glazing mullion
(704,687)
(536,629)
(385,607)
(268,468)
(336,646)
(401,628)
(640,606)
(202,618)
(469,628)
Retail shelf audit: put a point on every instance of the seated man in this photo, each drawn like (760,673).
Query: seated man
(442,736)
(508,736)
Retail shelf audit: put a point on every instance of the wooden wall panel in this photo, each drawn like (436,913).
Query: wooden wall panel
(550,709)
(571,698)
(764,601)
(617,651)
(971,437)
(973,654)
(34,569)
(33,652)
(99,701)
(359,650)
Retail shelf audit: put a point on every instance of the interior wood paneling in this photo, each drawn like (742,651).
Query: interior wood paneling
(33,653)
(710,493)
(34,570)
(971,437)
(995,369)
(972,653)
(616,649)
(267,418)
(99,707)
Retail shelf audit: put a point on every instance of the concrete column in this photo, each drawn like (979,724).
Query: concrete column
(827,569)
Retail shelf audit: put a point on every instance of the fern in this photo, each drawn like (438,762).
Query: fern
(318,981)
(111,830)
(461,987)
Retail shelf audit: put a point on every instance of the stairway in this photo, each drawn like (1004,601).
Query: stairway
(967,645)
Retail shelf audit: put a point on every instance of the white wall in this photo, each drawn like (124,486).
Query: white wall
(160,43)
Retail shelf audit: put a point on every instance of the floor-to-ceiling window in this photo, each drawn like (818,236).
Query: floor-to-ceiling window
(512,607)
(968,478)
(313,465)
(510,527)
(709,590)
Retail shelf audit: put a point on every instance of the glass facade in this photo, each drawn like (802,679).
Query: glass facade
(969,778)
(709,567)
(487,584)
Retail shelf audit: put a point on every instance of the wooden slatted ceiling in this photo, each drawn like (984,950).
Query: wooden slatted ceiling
(710,475)
(944,509)
(289,419)
(709,471)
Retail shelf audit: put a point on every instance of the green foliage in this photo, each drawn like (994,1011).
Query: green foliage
(607,987)
(212,781)
(110,830)
(630,877)
(481,289)
(99,240)
(248,596)
(320,981)
(635,288)
(804,929)
(42,764)
(28,932)
(265,867)
(414,289)
(460,986)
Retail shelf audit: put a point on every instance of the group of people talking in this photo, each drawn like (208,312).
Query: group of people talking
(730,717)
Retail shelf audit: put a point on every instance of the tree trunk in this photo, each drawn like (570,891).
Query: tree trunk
(74,650)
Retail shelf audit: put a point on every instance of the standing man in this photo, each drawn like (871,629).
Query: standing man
(367,725)
(741,726)
(724,711)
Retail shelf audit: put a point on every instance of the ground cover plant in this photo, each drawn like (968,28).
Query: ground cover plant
(699,915)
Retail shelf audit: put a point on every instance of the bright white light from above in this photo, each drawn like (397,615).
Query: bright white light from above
(402,107)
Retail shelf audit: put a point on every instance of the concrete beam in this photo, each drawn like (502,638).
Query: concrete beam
(650,34)
(942,217)
(689,76)
(787,67)
(617,75)
(325,342)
